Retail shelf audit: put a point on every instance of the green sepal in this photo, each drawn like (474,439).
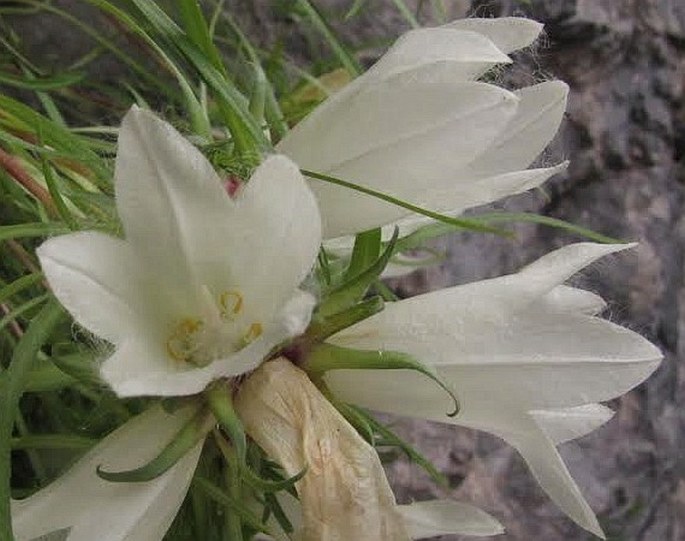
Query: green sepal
(358,421)
(193,432)
(367,248)
(327,357)
(266,485)
(273,506)
(353,289)
(320,329)
(248,475)
(220,402)
(244,513)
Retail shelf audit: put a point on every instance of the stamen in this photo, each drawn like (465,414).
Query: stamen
(230,303)
(184,340)
(254,332)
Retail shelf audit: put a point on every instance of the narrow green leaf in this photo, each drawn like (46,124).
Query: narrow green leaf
(20,284)
(463,223)
(195,110)
(38,229)
(321,328)
(352,290)
(274,115)
(367,248)
(96,35)
(406,13)
(11,388)
(321,24)
(274,506)
(393,439)
(249,476)
(192,433)
(324,266)
(354,9)
(197,30)
(417,238)
(245,130)
(219,496)
(528,217)
(258,96)
(52,441)
(56,195)
(56,136)
(25,307)
(81,367)
(264,485)
(42,83)
(47,377)
(220,402)
(327,357)
(357,420)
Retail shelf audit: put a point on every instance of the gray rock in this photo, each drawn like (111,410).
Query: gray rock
(625,64)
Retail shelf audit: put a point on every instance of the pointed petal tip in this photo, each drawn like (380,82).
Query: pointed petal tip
(133,113)
(431,518)
(555,88)
(594,528)
(507,33)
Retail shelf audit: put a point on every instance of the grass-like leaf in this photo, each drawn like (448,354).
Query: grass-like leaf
(12,385)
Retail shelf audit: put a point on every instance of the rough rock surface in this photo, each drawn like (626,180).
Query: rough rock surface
(625,136)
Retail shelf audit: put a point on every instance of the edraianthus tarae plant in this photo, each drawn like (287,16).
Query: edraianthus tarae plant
(206,297)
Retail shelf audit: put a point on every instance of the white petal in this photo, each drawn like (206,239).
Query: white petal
(570,299)
(532,361)
(468,191)
(507,33)
(468,53)
(463,194)
(444,517)
(537,120)
(183,225)
(94,276)
(170,201)
(507,355)
(143,368)
(96,509)
(550,471)
(567,424)
(272,238)
(409,155)
(451,314)
(485,407)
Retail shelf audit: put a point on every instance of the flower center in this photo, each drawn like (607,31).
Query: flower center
(220,331)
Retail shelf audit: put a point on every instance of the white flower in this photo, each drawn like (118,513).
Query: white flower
(203,286)
(90,508)
(344,494)
(419,126)
(527,358)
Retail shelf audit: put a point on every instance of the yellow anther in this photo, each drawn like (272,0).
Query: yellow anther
(254,332)
(183,340)
(230,303)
